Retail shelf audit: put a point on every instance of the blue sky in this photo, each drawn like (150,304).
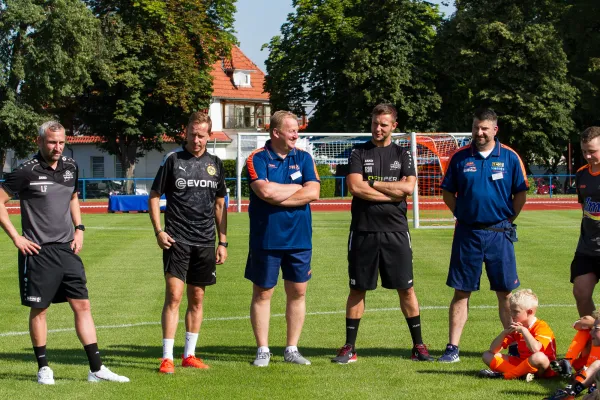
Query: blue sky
(257,21)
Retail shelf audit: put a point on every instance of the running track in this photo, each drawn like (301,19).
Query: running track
(91,207)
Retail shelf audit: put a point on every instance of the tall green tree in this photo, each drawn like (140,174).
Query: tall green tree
(580,26)
(161,55)
(49,50)
(509,56)
(348,55)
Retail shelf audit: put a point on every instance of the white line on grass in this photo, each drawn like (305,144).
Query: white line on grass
(482,307)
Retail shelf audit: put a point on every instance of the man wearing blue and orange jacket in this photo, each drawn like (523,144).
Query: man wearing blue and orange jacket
(284,181)
(485,187)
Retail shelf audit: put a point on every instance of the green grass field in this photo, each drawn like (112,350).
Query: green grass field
(125,281)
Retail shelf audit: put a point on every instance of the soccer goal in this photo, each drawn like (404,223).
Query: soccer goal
(431,151)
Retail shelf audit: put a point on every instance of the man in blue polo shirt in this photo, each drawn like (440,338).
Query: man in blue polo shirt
(284,181)
(485,187)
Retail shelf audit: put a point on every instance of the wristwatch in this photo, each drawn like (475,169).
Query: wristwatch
(371,182)
(224,244)
(80,227)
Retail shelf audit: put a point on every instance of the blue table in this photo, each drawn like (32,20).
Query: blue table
(126,203)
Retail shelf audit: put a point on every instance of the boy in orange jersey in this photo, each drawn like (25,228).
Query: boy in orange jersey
(534,338)
(586,361)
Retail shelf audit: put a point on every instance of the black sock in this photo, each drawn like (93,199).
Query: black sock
(351,330)
(40,355)
(414,325)
(93,355)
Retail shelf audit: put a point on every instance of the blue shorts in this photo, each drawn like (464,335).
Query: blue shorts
(472,247)
(262,266)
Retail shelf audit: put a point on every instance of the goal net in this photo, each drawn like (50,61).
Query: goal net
(431,151)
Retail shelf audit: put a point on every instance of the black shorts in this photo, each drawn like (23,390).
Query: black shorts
(194,265)
(390,253)
(51,276)
(583,264)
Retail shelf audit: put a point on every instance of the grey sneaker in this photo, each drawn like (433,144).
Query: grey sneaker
(106,374)
(295,357)
(262,359)
(45,376)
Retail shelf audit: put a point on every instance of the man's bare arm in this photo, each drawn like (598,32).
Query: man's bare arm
(400,189)
(26,247)
(274,193)
(361,189)
(519,200)
(310,192)
(449,199)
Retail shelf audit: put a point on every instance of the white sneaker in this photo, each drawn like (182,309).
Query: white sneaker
(45,376)
(262,359)
(106,374)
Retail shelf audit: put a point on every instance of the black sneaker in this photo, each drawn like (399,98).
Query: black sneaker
(420,353)
(345,355)
(561,394)
(562,367)
(488,373)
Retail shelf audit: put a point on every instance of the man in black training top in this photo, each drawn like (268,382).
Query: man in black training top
(194,183)
(50,270)
(381,176)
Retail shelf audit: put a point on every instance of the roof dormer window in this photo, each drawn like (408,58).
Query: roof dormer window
(241,78)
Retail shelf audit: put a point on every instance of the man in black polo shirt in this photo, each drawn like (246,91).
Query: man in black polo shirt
(382,175)
(194,183)
(50,271)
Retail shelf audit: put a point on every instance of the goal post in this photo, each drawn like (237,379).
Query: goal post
(431,153)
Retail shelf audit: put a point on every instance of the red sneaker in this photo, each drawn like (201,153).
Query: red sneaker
(420,353)
(167,366)
(192,362)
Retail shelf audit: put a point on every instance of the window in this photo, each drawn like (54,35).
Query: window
(246,116)
(118,168)
(241,78)
(97,166)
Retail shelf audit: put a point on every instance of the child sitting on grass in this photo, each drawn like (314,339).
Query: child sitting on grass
(534,338)
(584,354)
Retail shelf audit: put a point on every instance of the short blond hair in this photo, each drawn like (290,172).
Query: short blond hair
(278,117)
(596,314)
(200,117)
(524,298)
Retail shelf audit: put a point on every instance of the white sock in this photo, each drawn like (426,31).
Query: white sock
(190,344)
(263,349)
(168,348)
(291,348)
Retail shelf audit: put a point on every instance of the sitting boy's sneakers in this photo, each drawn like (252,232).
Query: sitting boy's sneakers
(45,376)
(450,354)
(345,355)
(562,367)
(105,374)
(561,394)
(488,373)
(420,353)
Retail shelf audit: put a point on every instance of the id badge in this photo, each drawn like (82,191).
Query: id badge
(497,175)
(296,175)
